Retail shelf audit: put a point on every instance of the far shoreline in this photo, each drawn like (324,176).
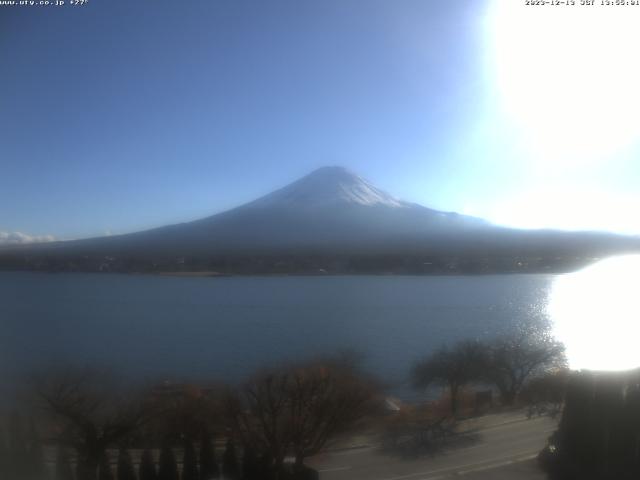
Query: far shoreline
(214,274)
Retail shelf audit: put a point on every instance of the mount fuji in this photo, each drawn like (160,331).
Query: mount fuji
(332,209)
(330,212)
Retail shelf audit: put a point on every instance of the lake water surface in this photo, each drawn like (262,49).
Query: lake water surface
(225,328)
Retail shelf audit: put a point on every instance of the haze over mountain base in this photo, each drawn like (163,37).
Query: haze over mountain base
(331,221)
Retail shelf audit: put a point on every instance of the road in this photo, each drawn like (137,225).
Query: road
(503,450)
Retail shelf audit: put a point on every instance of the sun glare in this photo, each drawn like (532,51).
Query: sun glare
(568,78)
(596,314)
(570,208)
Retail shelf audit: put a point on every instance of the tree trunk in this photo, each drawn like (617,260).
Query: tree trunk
(87,468)
(278,468)
(508,397)
(454,400)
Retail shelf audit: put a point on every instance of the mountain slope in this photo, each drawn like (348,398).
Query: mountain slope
(333,211)
(329,209)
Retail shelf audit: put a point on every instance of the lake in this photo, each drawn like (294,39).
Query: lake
(225,328)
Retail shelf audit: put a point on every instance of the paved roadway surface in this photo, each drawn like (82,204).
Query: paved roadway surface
(505,448)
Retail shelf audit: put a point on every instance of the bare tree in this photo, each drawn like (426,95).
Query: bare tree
(515,358)
(89,414)
(259,414)
(298,410)
(453,367)
(550,387)
(187,411)
(324,400)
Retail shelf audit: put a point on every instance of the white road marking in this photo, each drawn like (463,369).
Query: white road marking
(496,465)
(334,469)
(351,451)
(456,468)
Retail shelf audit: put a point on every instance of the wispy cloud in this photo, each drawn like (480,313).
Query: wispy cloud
(17,238)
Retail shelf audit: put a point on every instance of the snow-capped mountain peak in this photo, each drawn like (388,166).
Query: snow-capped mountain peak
(329,186)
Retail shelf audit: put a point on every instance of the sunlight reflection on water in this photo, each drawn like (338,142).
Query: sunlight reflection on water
(596,313)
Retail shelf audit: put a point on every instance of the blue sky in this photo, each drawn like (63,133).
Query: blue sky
(122,115)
